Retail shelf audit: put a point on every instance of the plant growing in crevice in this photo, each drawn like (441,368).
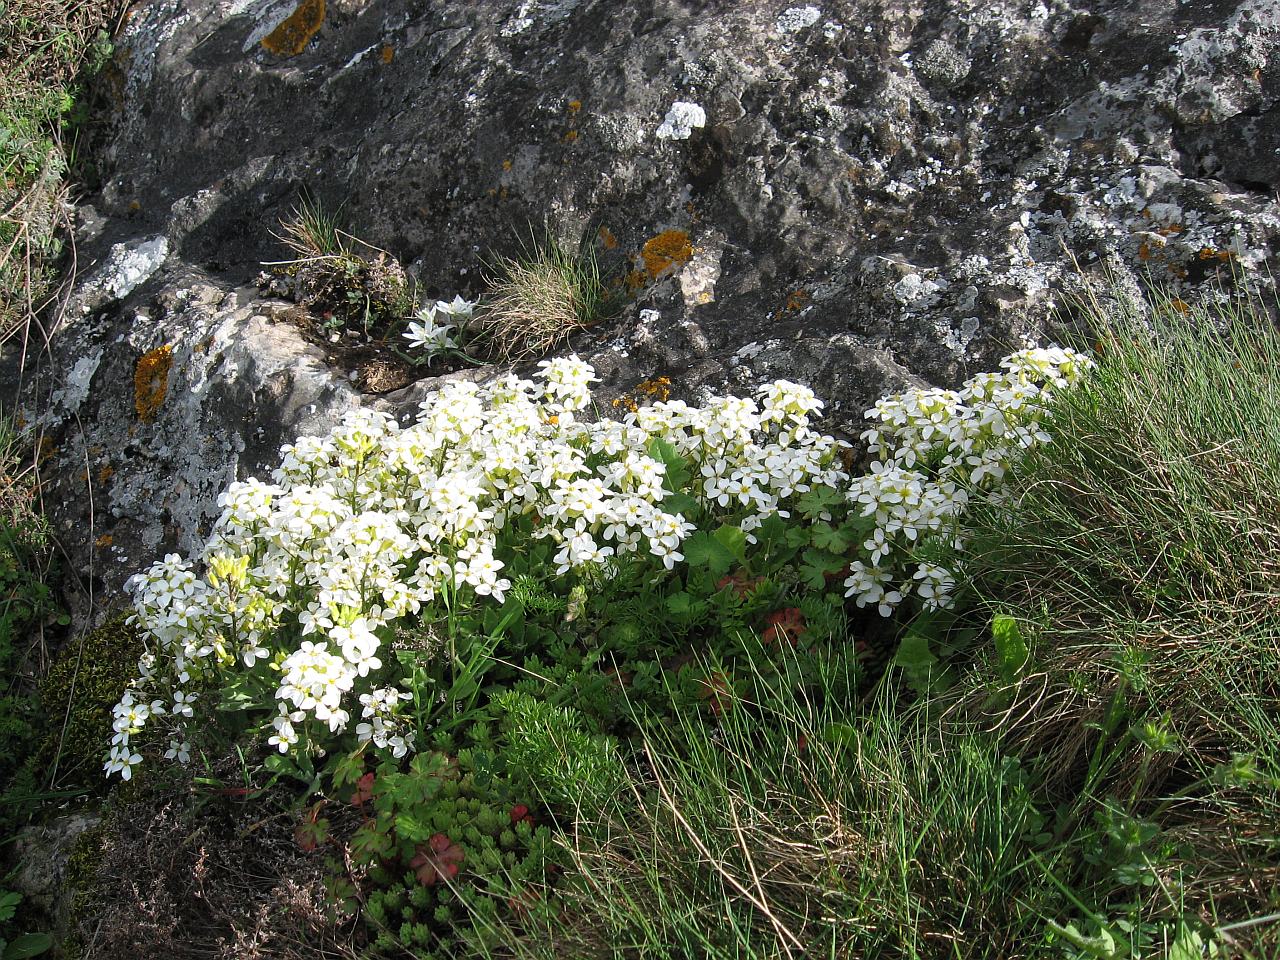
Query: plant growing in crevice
(537,299)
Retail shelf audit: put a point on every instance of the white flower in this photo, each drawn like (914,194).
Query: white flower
(121,761)
(427,334)
(178,750)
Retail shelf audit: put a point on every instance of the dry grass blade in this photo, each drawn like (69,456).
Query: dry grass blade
(536,301)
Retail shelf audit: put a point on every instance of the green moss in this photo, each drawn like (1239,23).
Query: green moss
(77,694)
(83,884)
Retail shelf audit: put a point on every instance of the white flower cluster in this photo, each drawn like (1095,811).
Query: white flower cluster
(431,333)
(307,577)
(934,447)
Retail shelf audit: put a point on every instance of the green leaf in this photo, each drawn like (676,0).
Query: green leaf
(833,539)
(733,540)
(682,503)
(1011,646)
(409,827)
(348,768)
(841,734)
(914,654)
(677,474)
(817,564)
(684,604)
(819,500)
(28,945)
(8,904)
(703,550)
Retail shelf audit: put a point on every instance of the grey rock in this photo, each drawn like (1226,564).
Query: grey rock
(892,192)
(43,853)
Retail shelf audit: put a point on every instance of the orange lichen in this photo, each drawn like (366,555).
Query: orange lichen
(658,387)
(104,541)
(387,53)
(291,37)
(607,239)
(1209,253)
(1180,305)
(571,136)
(669,250)
(798,300)
(575,106)
(106,472)
(151,382)
(506,164)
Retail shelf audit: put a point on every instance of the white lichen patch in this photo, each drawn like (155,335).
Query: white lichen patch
(681,120)
(797,18)
(75,388)
(125,267)
(699,277)
(537,11)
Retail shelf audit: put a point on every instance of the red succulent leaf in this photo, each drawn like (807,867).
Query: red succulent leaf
(363,792)
(440,858)
(717,691)
(785,626)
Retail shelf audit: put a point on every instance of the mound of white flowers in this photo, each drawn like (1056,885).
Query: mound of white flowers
(307,578)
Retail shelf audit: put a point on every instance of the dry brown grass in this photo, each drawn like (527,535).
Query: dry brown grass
(219,880)
(44,48)
(536,301)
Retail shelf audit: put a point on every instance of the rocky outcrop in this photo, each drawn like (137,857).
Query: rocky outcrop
(859,195)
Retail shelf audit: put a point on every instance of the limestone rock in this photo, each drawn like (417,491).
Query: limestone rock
(884,192)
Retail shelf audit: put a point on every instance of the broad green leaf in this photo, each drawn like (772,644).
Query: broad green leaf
(684,604)
(703,550)
(833,539)
(410,828)
(8,904)
(677,476)
(28,945)
(914,653)
(840,733)
(733,540)
(1011,646)
(682,503)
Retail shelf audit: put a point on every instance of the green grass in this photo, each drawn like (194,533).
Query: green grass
(801,823)
(1118,798)
(47,50)
(537,299)
(1141,551)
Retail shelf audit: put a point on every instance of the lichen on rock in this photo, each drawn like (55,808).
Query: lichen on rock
(151,382)
(293,34)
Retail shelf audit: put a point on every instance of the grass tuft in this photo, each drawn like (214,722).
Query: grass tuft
(536,300)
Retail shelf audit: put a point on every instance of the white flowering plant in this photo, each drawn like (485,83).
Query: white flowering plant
(437,330)
(352,603)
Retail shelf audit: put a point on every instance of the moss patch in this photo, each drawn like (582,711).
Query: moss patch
(77,695)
